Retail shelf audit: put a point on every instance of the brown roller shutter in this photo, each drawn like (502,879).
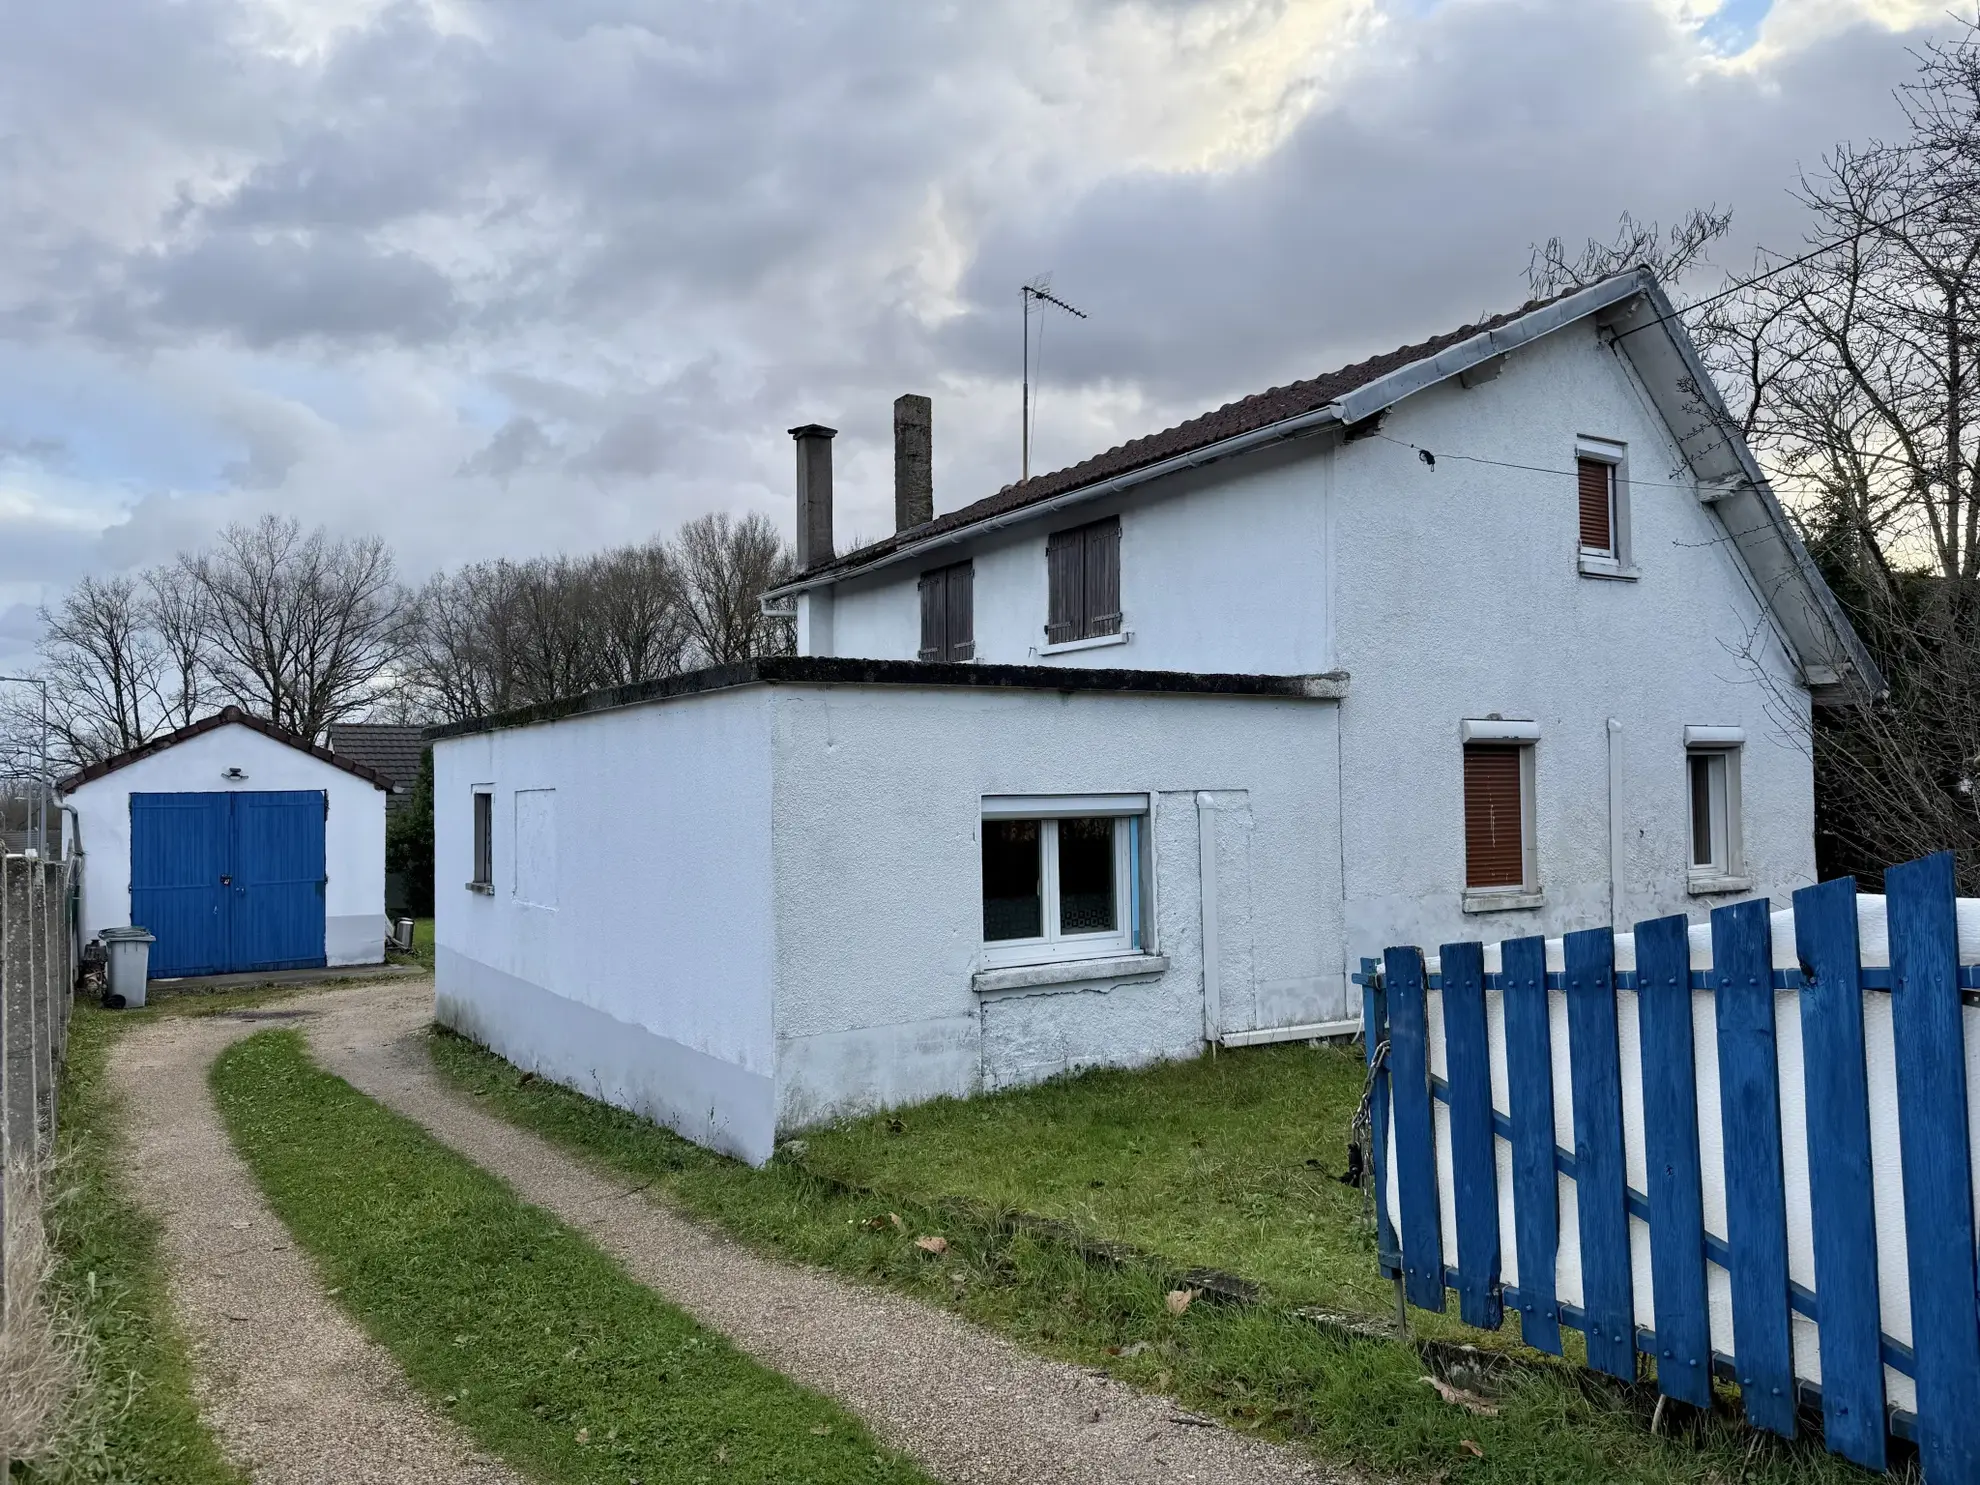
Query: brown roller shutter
(1494,831)
(1597,484)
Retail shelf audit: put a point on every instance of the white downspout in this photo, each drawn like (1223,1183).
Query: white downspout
(1206,857)
(1617,823)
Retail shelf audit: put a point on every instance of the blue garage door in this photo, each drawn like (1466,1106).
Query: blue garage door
(229,881)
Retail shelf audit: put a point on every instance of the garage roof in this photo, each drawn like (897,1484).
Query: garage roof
(231,716)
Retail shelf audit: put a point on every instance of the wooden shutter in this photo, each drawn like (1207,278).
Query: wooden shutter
(1065,565)
(1494,827)
(1103,579)
(1597,482)
(934,612)
(959,595)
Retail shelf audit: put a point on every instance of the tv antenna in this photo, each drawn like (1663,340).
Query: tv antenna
(1038,291)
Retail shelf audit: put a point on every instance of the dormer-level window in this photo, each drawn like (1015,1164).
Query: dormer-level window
(1084,571)
(948,613)
(1601,479)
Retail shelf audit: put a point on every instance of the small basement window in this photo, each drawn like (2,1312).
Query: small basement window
(1717,859)
(1062,877)
(484,842)
(1499,856)
(948,617)
(1083,570)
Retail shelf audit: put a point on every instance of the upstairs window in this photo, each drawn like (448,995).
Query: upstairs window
(948,613)
(1061,877)
(1084,571)
(484,842)
(1602,508)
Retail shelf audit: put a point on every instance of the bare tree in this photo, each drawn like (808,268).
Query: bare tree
(1550,271)
(104,668)
(301,629)
(177,612)
(725,566)
(641,623)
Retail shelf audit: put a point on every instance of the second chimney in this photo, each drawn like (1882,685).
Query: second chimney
(914,461)
(814,494)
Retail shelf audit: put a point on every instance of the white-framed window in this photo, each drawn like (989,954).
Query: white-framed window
(1715,860)
(1063,877)
(1602,508)
(1501,867)
(483,879)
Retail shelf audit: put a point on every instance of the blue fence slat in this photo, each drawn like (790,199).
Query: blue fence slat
(1756,1199)
(1415,1126)
(1530,1090)
(1474,1147)
(1938,1179)
(1374,1033)
(1601,1188)
(1842,1211)
(1670,1137)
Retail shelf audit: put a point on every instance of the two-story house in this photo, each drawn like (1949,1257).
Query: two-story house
(1499,633)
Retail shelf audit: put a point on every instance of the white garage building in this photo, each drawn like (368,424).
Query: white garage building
(239,845)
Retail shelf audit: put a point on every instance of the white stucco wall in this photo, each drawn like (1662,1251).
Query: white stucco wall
(1458,596)
(636,962)
(767,901)
(879,921)
(354,926)
(1449,593)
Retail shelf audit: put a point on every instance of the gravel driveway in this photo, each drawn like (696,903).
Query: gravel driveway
(292,1388)
(968,1405)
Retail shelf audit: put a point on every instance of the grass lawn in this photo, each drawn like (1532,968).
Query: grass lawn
(542,1348)
(1239,1196)
(142,1427)
(1226,1162)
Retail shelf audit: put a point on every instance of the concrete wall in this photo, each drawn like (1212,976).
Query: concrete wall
(1458,595)
(1451,592)
(354,831)
(628,946)
(879,921)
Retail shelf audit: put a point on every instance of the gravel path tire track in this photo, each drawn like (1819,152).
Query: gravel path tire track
(970,1406)
(294,1391)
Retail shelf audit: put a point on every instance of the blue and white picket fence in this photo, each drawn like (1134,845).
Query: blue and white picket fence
(1743,1149)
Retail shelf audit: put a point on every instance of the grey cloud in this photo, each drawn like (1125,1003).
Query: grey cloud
(321,285)
(518,443)
(42,451)
(20,625)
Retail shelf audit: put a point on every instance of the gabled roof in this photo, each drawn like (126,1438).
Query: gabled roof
(1833,659)
(386,746)
(231,716)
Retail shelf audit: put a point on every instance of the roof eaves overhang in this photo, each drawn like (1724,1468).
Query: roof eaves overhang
(1835,664)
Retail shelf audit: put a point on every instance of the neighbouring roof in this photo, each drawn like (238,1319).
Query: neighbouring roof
(231,716)
(1631,306)
(820,670)
(386,746)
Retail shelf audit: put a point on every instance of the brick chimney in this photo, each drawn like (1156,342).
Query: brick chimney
(814,495)
(914,461)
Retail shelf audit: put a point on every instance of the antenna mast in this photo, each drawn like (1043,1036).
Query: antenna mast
(1039,289)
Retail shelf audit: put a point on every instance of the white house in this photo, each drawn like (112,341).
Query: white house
(239,845)
(1501,633)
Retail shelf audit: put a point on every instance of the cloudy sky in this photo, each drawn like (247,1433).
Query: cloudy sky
(505,277)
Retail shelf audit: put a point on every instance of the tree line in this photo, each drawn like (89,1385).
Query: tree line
(1851,364)
(308,630)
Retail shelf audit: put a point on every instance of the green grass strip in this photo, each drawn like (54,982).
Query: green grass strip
(1262,1369)
(141,1426)
(543,1349)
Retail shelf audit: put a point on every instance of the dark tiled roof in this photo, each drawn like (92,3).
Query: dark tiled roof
(391,749)
(226,717)
(1246,415)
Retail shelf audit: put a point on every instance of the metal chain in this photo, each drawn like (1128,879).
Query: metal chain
(1362,1126)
